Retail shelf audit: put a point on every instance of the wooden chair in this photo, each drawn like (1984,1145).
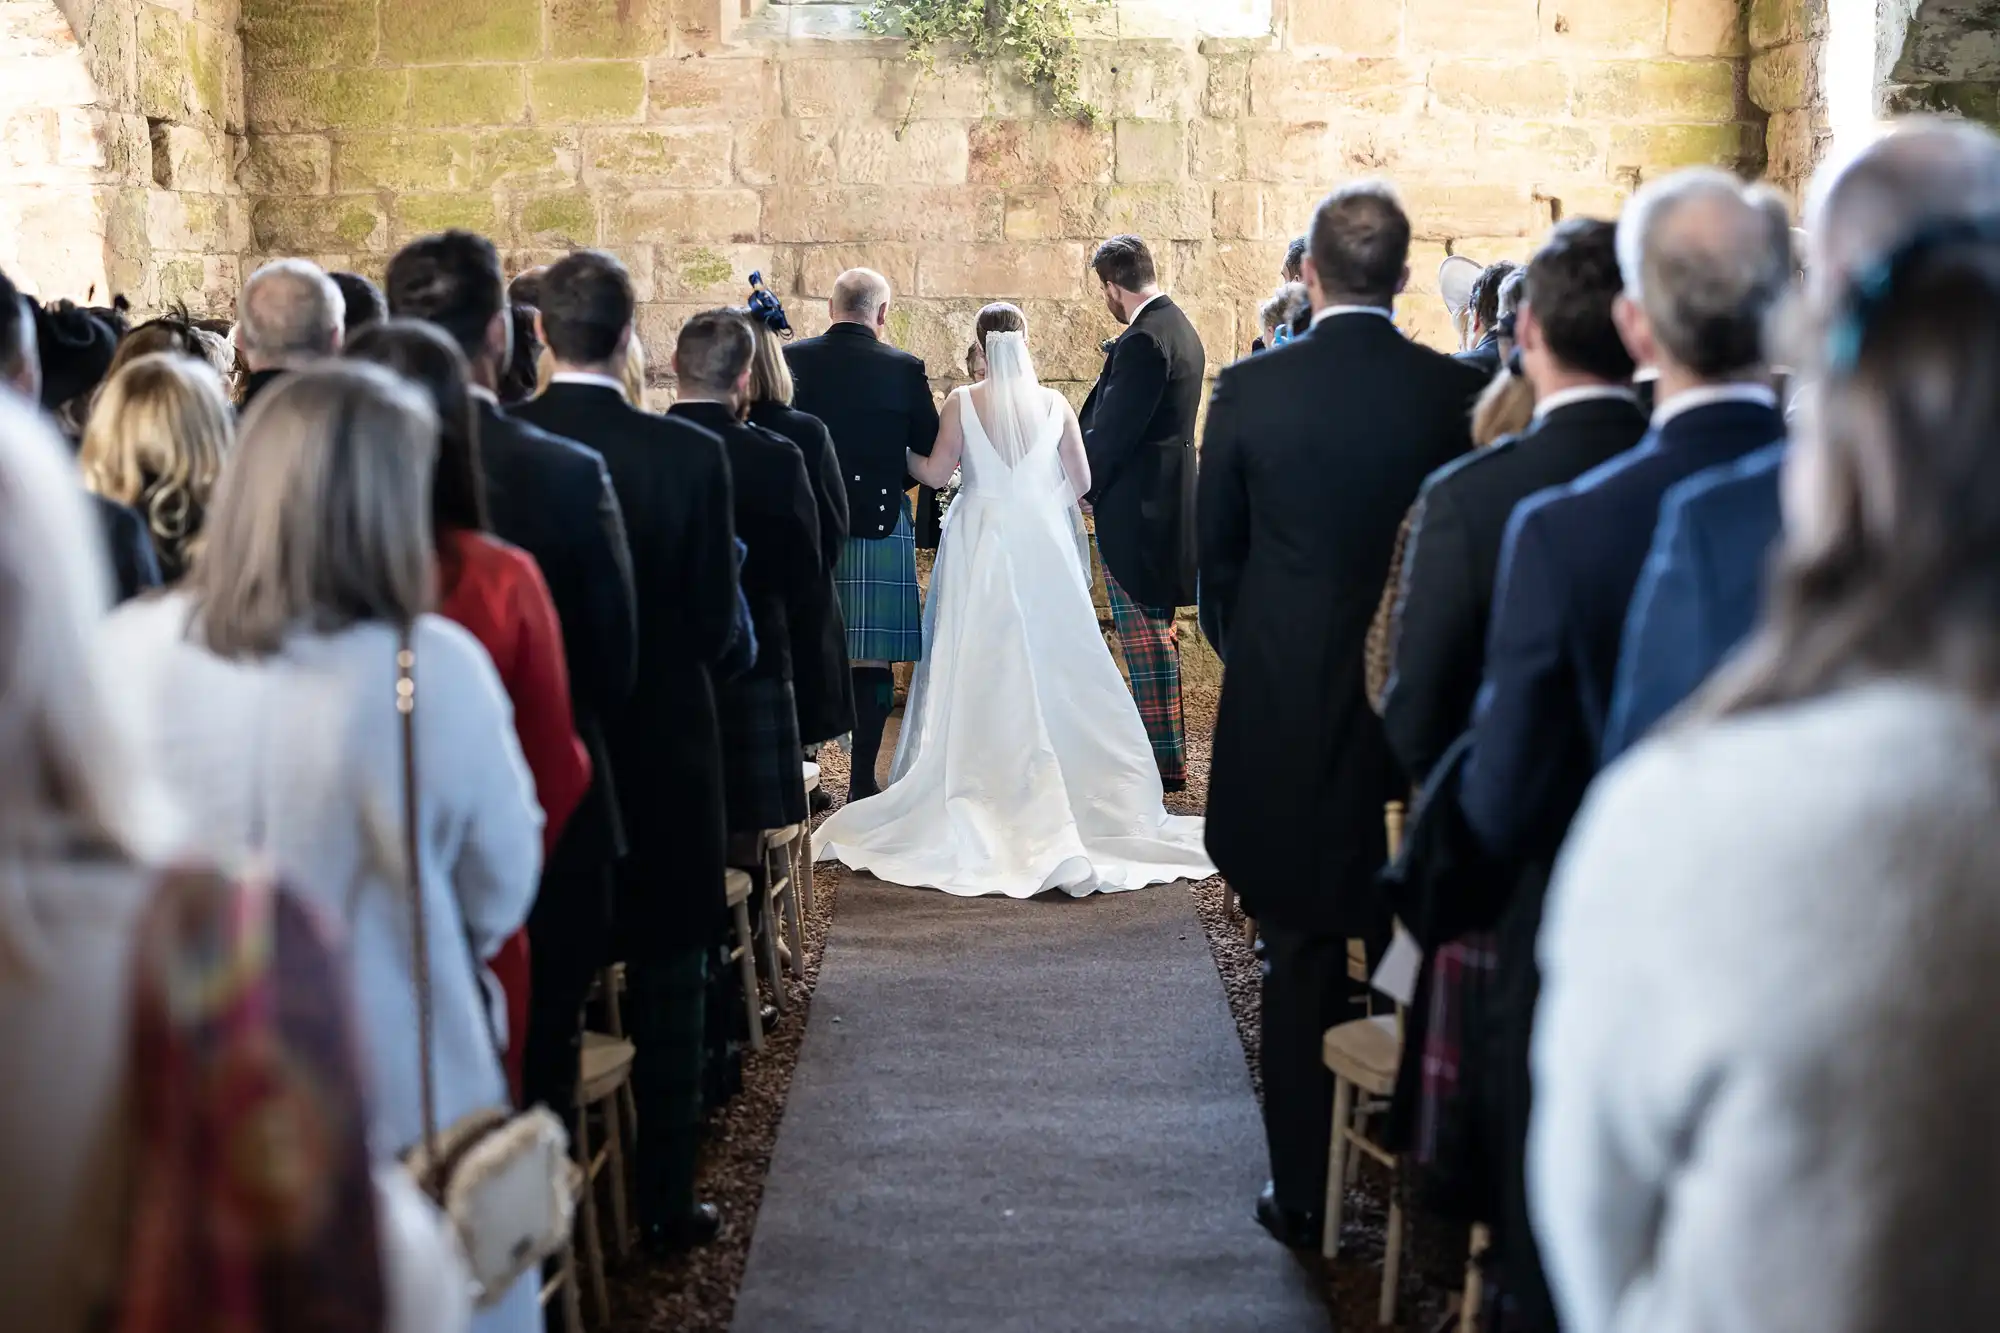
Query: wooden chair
(559,1280)
(807,888)
(606,1072)
(737,888)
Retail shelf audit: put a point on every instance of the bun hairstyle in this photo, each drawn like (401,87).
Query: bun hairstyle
(999,317)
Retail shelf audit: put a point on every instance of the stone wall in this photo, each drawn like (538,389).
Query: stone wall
(123,119)
(1943,56)
(1787,40)
(699,146)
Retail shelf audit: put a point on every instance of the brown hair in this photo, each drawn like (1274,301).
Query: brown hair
(1360,243)
(1000,317)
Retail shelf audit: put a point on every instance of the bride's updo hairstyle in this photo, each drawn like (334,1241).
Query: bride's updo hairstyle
(999,318)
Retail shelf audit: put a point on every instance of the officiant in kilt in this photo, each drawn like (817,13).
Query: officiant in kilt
(876,401)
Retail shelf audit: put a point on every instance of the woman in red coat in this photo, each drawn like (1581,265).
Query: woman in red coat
(497,593)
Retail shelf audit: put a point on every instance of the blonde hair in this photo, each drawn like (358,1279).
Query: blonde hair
(635,373)
(324,519)
(1505,407)
(770,373)
(156,441)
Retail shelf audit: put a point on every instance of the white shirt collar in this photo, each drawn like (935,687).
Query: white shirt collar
(483,394)
(1708,395)
(1582,393)
(1156,296)
(1330,311)
(585,377)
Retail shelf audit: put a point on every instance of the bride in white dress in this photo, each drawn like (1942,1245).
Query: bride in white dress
(1023,765)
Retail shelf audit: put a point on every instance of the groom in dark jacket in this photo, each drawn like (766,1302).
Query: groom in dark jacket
(1138,428)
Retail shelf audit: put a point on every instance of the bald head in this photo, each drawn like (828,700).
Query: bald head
(860,296)
(291,312)
(1924,171)
(1704,258)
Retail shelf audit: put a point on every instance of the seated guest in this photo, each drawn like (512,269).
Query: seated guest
(552,497)
(1703,259)
(783,576)
(518,380)
(1767,1066)
(666,748)
(264,689)
(496,592)
(362,302)
(1482,316)
(291,315)
(1698,597)
(157,442)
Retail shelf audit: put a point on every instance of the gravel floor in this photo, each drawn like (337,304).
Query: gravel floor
(697,1294)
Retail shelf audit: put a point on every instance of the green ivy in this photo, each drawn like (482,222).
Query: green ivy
(1037,37)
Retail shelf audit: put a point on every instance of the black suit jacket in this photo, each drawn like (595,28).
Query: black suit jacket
(777,518)
(1138,428)
(825,690)
(673,485)
(256,383)
(1485,356)
(876,401)
(135,566)
(1453,559)
(1314,452)
(553,498)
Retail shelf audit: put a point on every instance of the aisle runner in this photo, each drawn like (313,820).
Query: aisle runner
(1015,1116)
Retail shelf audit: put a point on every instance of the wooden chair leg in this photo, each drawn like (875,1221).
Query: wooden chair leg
(572,1298)
(746,967)
(773,970)
(1469,1303)
(1392,1252)
(614,1147)
(795,926)
(806,864)
(1336,1167)
(593,1238)
(1249,930)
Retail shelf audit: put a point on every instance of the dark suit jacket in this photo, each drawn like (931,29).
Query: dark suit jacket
(1700,592)
(1453,558)
(1485,356)
(776,517)
(256,383)
(135,566)
(673,484)
(1571,560)
(1313,453)
(553,498)
(1138,428)
(876,401)
(825,690)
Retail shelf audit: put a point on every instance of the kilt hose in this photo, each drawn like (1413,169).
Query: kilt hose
(876,578)
(1154,664)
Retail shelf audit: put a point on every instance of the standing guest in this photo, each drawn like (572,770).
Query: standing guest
(551,497)
(673,482)
(496,592)
(1703,583)
(362,302)
(1483,310)
(1703,259)
(1768,1060)
(782,576)
(1299,508)
(820,676)
(156,442)
(1294,268)
(1138,425)
(1286,315)
(518,380)
(291,315)
(266,694)
(174,333)
(876,402)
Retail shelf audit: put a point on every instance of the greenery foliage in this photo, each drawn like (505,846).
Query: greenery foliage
(1037,37)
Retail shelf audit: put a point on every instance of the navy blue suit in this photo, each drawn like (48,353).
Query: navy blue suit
(1700,592)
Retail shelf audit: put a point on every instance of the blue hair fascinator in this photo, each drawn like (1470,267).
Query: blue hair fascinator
(766,308)
(1873,286)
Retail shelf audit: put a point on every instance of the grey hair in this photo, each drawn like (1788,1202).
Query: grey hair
(1706,257)
(859,293)
(291,311)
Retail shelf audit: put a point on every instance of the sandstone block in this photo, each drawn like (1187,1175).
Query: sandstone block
(1429,323)
(1439,212)
(1351,29)
(565,219)
(415,215)
(1288,89)
(957,91)
(1066,335)
(1150,150)
(1248,270)
(1425,257)
(880,213)
(1291,152)
(1652,149)
(1577,199)
(1785,78)
(1501,87)
(1142,84)
(926,152)
(593,90)
(1000,272)
(1793,145)
(1620,27)
(832,86)
(1535,148)
(163,63)
(707,90)
(604,28)
(658,326)
(1215,150)
(1156,212)
(1671,90)
(185,221)
(1227,93)
(1248,211)
(787,152)
(1455,25)
(524,158)
(213,57)
(112,147)
(468,95)
(715,274)
(694,216)
(285,101)
(1215,323)
(1032,215)
(435,161)
(1775,22)
(1706,28)
(342,223)
(206,284)
(439,30)
(1038,152)
(676,155)
(313,34)
(820,265)
(189,158)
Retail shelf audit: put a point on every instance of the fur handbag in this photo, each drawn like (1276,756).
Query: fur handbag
(504,1179)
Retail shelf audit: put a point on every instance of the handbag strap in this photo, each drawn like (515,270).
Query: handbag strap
(406,707)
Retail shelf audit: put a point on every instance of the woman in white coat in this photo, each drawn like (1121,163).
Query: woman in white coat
(265,690)
(1767,1057)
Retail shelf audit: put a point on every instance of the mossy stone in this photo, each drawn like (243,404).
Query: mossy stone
(568,218)
(349,99)
(292,34)
(289,164)
(597,90)
(422,214)
(317,226)
(523,157)
(608,28)
(1680,90)
(1653,148)
(468,95)
(163,64)
(702,267)
(402,162)
(422,31)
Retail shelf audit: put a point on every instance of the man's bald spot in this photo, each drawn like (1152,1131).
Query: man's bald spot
(858,294)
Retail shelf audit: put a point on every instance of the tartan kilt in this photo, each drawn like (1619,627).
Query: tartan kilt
(877,582)
(763,775)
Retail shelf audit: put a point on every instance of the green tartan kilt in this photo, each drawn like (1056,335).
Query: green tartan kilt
(877,582)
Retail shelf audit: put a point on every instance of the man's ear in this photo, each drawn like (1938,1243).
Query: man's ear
(1635,330)
(542,332)
(500,335)
(1527,329)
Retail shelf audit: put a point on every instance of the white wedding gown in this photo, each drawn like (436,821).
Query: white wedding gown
(1023,765)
